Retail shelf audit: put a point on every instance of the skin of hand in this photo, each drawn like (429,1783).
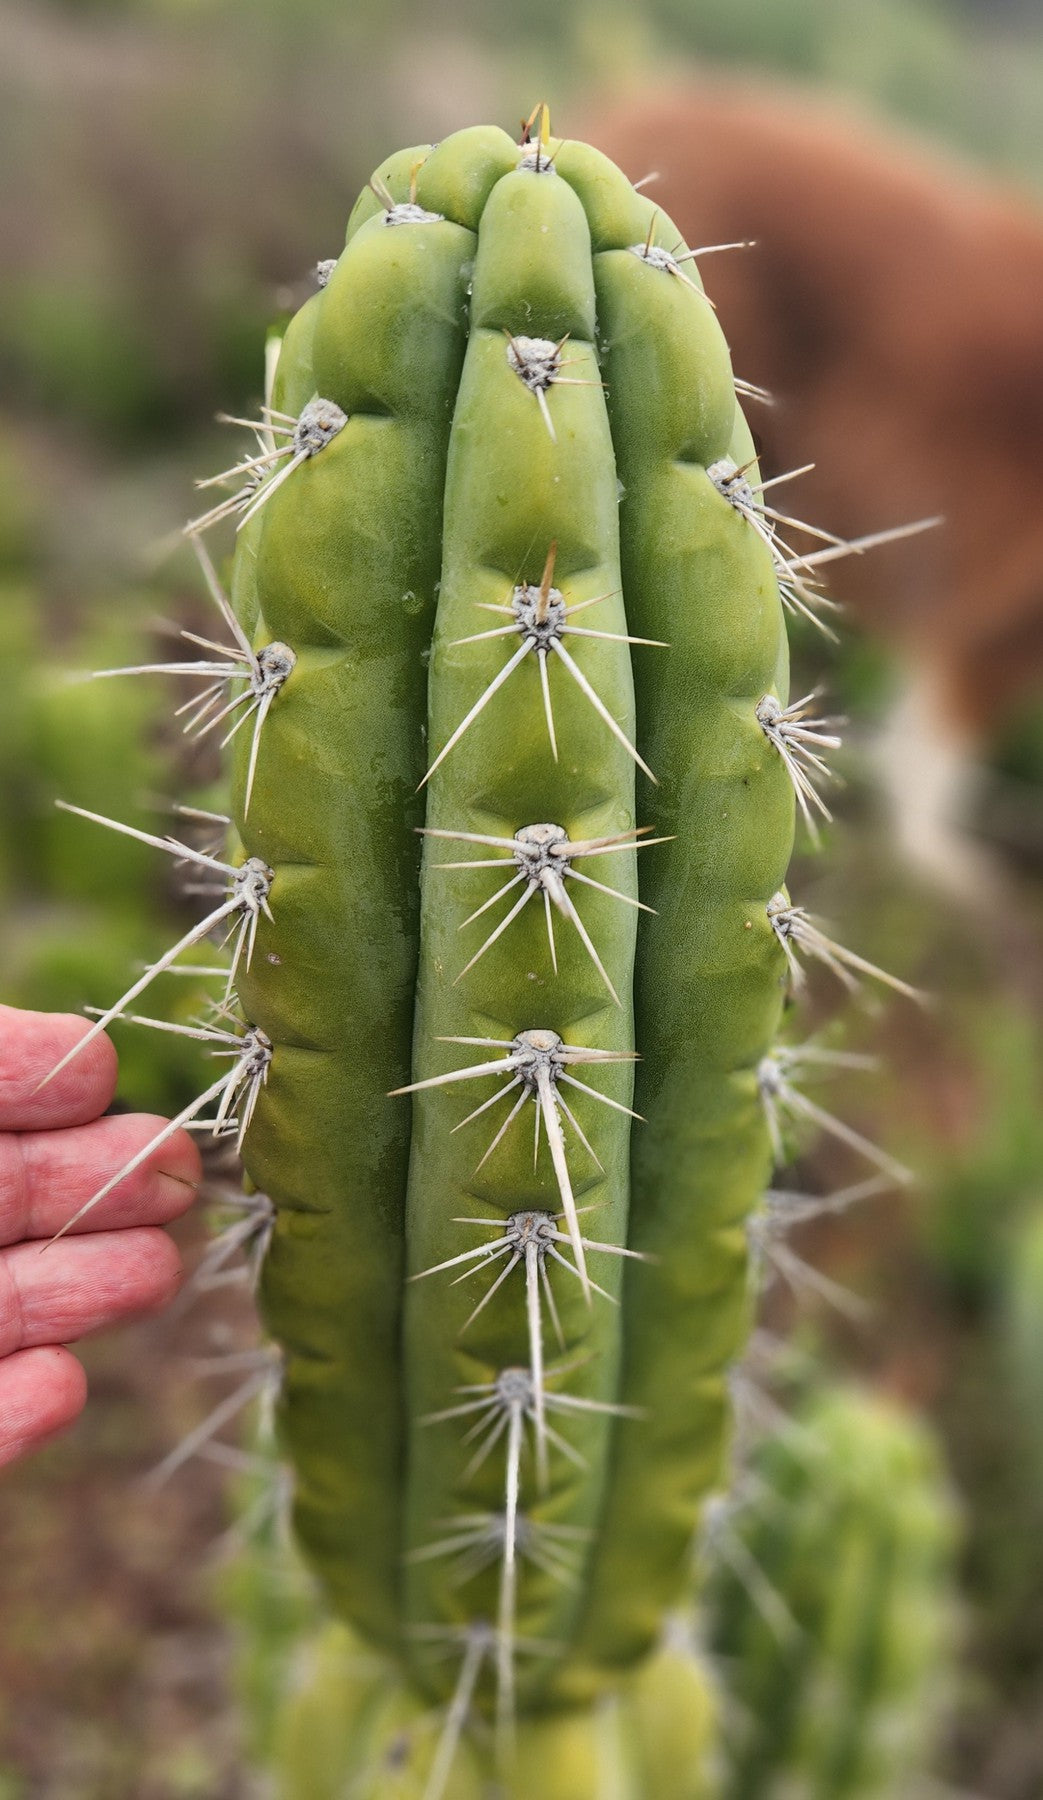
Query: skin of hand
(56,1150)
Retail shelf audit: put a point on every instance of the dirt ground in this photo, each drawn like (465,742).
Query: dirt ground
(116,1668)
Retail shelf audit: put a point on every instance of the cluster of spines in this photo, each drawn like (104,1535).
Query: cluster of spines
(540,858)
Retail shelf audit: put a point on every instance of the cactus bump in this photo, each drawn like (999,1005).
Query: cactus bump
(514,777)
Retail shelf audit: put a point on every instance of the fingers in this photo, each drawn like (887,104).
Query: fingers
(30,1045)
(80,1285)
(46,1176)
(41,1393)
(55,1152)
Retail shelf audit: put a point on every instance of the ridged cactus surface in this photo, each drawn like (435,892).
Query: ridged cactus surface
(514,784)
(525,391)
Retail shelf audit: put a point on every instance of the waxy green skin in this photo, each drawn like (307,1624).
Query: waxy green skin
(442,491)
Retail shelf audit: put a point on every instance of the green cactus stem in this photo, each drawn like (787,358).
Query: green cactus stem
(534,389)
(514,787)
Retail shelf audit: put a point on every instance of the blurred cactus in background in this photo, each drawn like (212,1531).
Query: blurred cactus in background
(78,912)
(838,1654)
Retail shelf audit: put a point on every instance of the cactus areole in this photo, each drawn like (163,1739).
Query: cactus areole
(516,969)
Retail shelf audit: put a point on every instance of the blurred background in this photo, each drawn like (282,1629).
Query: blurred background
(172,170)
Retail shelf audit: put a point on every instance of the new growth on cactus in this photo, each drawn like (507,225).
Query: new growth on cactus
(506,581)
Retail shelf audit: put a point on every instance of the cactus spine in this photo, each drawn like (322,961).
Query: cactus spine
(514,791)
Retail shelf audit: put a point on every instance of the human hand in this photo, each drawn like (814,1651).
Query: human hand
(55,1152)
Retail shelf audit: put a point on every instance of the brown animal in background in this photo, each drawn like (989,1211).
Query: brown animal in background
(893,305)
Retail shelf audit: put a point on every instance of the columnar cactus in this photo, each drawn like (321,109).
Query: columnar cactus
(521,394)
(513,802)
(840,1655)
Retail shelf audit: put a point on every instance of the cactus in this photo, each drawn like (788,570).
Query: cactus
(476,465)
(507,609)
(839,1653)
